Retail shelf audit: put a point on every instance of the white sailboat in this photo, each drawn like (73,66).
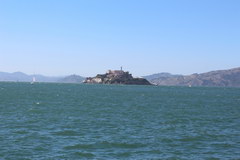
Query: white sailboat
(33,80)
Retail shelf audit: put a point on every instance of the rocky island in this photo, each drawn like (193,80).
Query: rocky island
(116,77)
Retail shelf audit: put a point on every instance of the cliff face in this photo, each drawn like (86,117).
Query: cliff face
(221,78)
(116,77)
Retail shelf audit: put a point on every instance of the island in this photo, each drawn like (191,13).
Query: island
(116,77)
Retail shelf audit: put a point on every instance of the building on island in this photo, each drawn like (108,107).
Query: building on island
(116,77)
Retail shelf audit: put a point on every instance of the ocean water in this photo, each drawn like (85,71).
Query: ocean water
(80,121)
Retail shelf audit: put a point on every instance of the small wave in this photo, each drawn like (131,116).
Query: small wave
(21,132)
(87,155)
(35,110)
(129,153)
(124,154)
(105,144)
(65,133)
(191,139)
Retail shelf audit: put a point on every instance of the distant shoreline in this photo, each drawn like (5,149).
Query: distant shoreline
(219,78)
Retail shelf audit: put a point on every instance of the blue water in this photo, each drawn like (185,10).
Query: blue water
(80,121)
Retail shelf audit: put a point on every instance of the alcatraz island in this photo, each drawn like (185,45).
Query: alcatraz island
(116,77)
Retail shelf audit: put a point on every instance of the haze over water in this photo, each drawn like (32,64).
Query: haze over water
(72,121)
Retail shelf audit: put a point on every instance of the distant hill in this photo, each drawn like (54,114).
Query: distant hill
(16,76)
(160,75)
(72,79)
(224,78)
(22,77)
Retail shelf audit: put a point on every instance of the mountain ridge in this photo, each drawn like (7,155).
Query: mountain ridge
(217,78)
(23,77)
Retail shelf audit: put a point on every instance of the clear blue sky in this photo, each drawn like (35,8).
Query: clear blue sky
(86,37)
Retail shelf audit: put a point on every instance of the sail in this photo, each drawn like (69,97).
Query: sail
(33,80)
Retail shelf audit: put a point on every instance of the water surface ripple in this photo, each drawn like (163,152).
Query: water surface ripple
(72,121)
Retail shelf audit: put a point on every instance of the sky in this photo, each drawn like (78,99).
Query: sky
(87,37)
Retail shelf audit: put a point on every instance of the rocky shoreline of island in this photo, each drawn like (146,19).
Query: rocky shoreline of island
(116,77)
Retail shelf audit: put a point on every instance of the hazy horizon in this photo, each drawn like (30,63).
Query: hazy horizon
(107,71)
(57,38)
